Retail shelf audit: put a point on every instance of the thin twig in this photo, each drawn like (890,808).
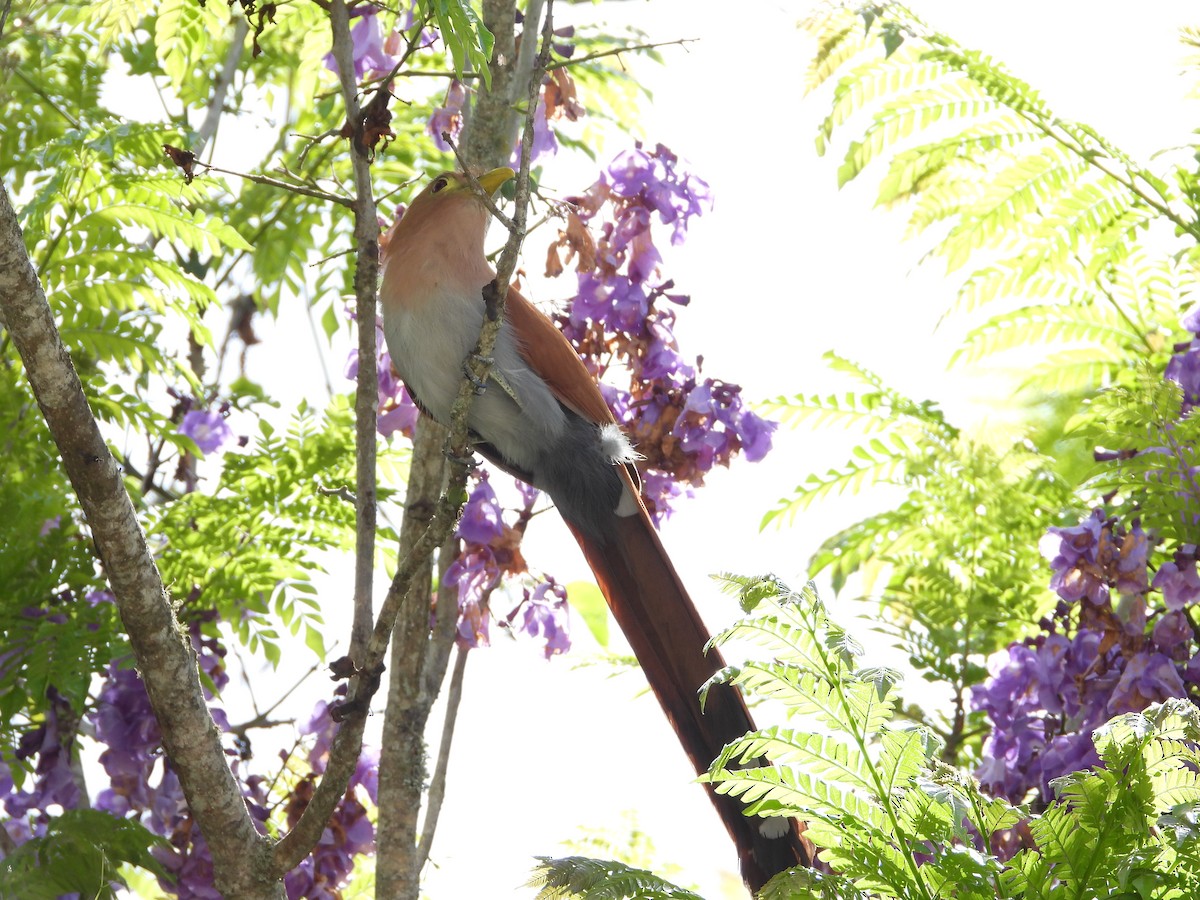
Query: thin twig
(317,346)
(347,742)
(557,64)
(282,697)
(316,193)
(437,785)
(331,257)
(49,100)
(476,188)
(342,493)
(278,211)
(616,51)
(3,20)
(216,102)
(260,721)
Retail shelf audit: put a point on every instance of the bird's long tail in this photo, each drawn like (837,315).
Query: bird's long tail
(667,635)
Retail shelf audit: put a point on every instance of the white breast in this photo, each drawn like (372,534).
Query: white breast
(428,343)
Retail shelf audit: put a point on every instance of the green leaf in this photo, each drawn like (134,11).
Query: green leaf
(467,38)
(195,232)
(315,641)
(80,853)
(586,599)
(183,31)
(824,755)
(600,879)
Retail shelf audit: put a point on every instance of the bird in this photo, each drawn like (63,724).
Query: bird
(540,416)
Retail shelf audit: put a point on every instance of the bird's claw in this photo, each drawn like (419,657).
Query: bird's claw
(477,383)
(469,461)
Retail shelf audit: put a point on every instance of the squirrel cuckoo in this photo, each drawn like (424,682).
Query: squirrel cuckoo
(542,418)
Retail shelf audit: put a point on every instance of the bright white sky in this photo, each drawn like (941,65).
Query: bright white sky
(784,269)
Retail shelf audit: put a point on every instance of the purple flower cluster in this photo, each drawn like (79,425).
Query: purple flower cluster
(1184,367)
(143,785)
(623,317)
(396,411)
(349,832)
(543,616)
(557,102)
(1108,649)
(52,744)
(1095,555)
(1112,646)
(46,777)
(492,550)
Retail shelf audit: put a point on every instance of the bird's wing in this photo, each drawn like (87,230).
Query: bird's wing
(553,358)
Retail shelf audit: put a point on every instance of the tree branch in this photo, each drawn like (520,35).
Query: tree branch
(163,651)
(315,193)
(347,743)
(418,658)
(617,51)
(216,102)
(437,785)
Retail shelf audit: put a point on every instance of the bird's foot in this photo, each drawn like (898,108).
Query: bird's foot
(477,383)
(469,461)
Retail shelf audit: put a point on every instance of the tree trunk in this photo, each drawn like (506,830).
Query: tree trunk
(418,661)
(165,659)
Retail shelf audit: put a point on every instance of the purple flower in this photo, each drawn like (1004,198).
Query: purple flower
(529,494)
(1171,630)
(1066,753)
(662,361)
(476,575)
(51,524)
(1148,677)
(55,782)
(406,21)
(545,143)
(1031,695)
(396,411)
(1191,320)
(209,430)
(630,172)
(630,304)
(398,415)
(1184,370)
(755,433)
(661,491)
(1074,556)
(367,37)
(644,258)
(124,721)
(349,833)
(448,117)
(1131,562)
(482,519)
(544,616)
(1179,581)
(618,401)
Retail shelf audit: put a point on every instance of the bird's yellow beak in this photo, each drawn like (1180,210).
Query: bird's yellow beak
(491,181)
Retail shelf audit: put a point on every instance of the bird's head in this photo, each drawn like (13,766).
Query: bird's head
(449,189)
(448,205)
(439,239)
(450,201)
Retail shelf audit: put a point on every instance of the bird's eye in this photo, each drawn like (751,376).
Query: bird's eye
(440,183)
